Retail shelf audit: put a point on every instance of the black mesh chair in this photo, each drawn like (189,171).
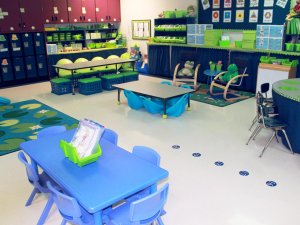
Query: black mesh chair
(274,123)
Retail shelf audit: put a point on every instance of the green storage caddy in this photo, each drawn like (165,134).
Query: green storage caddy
(88,86)
(61,86)
(130,76)
(109,80)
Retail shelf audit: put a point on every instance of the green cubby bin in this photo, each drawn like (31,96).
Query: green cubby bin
(225,43)
(71,153)
(289,47)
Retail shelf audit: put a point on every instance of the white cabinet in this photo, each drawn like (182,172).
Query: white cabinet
(270,73)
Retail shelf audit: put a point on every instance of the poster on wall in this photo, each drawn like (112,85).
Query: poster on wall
(239,16)
(215,16)
(281,3)
(227,3)
(268,16)
(254,3)
(253,16)
(240,3)
(205,4)
(269,3)
(216,4)
(227,16)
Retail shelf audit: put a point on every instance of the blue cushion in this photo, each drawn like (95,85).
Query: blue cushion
(134,101)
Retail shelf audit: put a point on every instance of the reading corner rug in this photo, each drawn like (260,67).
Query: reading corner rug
(203,95)
(21,122)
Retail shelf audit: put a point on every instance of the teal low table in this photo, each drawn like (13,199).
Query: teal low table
(286,95)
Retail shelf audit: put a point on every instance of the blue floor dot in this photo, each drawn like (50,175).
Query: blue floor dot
(175,146)
(196,154)
(244,173)
(271,183)
(219,163)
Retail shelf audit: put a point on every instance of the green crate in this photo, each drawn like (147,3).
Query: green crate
(248,44)
(71,153)
(180,13)
(238,44)
(225,43)
(130,76)
(249,35)
(297,47)
(111,79)
(88,86)
(289,47)
(61,86)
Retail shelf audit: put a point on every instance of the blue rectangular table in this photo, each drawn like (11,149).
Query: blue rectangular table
(116,175)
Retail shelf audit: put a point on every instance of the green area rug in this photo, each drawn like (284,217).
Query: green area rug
(203,95)
(22,121)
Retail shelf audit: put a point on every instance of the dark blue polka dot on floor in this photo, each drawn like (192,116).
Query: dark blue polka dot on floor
(244,173)
(196,154)
(219,163)
(271,183)
(175,146)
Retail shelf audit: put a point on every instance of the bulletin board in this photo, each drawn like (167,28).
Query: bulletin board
(242,14)
(141,29)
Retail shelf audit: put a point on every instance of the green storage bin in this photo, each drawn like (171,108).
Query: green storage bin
(169,14)
(225,43)
(180,13)
(289,47)
(297,47)
(71,153)
(249,35)
(238,44)
(248,44)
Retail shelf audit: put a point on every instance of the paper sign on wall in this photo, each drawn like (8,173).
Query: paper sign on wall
(254,3)
(215,16)
(239,16)
(269,3)
(216,4)
(227,3)
(227,16)
(240,3)
(268,16)
(205,4)
(281,3)
(253,16)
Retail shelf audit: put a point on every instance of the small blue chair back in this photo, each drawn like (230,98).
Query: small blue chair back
(134,101)
(31,171)
(179,107)
(147,154)
(151,106)
(51,131)
(150,208)
(110,136)
(166,82)
(69,208)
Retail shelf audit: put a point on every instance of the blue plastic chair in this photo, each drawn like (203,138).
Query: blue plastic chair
(150,155)
(110,136)
(134,101)
(39,183)
(69,208)
(50,131)
(179,107)
(151,106)
(166,82)
(143,211)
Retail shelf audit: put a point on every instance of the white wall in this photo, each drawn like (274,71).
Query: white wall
(145,10)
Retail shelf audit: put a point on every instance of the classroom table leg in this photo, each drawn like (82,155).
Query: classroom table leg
(189,103)
(73,83)
(165,116)
(119,92)
(98,218)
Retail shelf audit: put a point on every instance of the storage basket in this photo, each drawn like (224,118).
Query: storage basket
(249,35)
(130,76)
(88,86)
(109,80)
(180,13)
(169,14)
(289,47)
(297,47)
(71,153)
(61,86)
(225,43)
(248,44)
(238,44)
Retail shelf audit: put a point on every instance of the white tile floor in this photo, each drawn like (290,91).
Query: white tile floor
(200,192)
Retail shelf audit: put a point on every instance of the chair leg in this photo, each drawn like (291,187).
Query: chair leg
(267,145)
(31,197)
(63,222)
(253,133)
(257,132)
(276,136)
(253,122)
(288,141)
(46,211)
(159,221)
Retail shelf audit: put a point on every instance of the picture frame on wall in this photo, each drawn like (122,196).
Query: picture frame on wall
(141,29)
